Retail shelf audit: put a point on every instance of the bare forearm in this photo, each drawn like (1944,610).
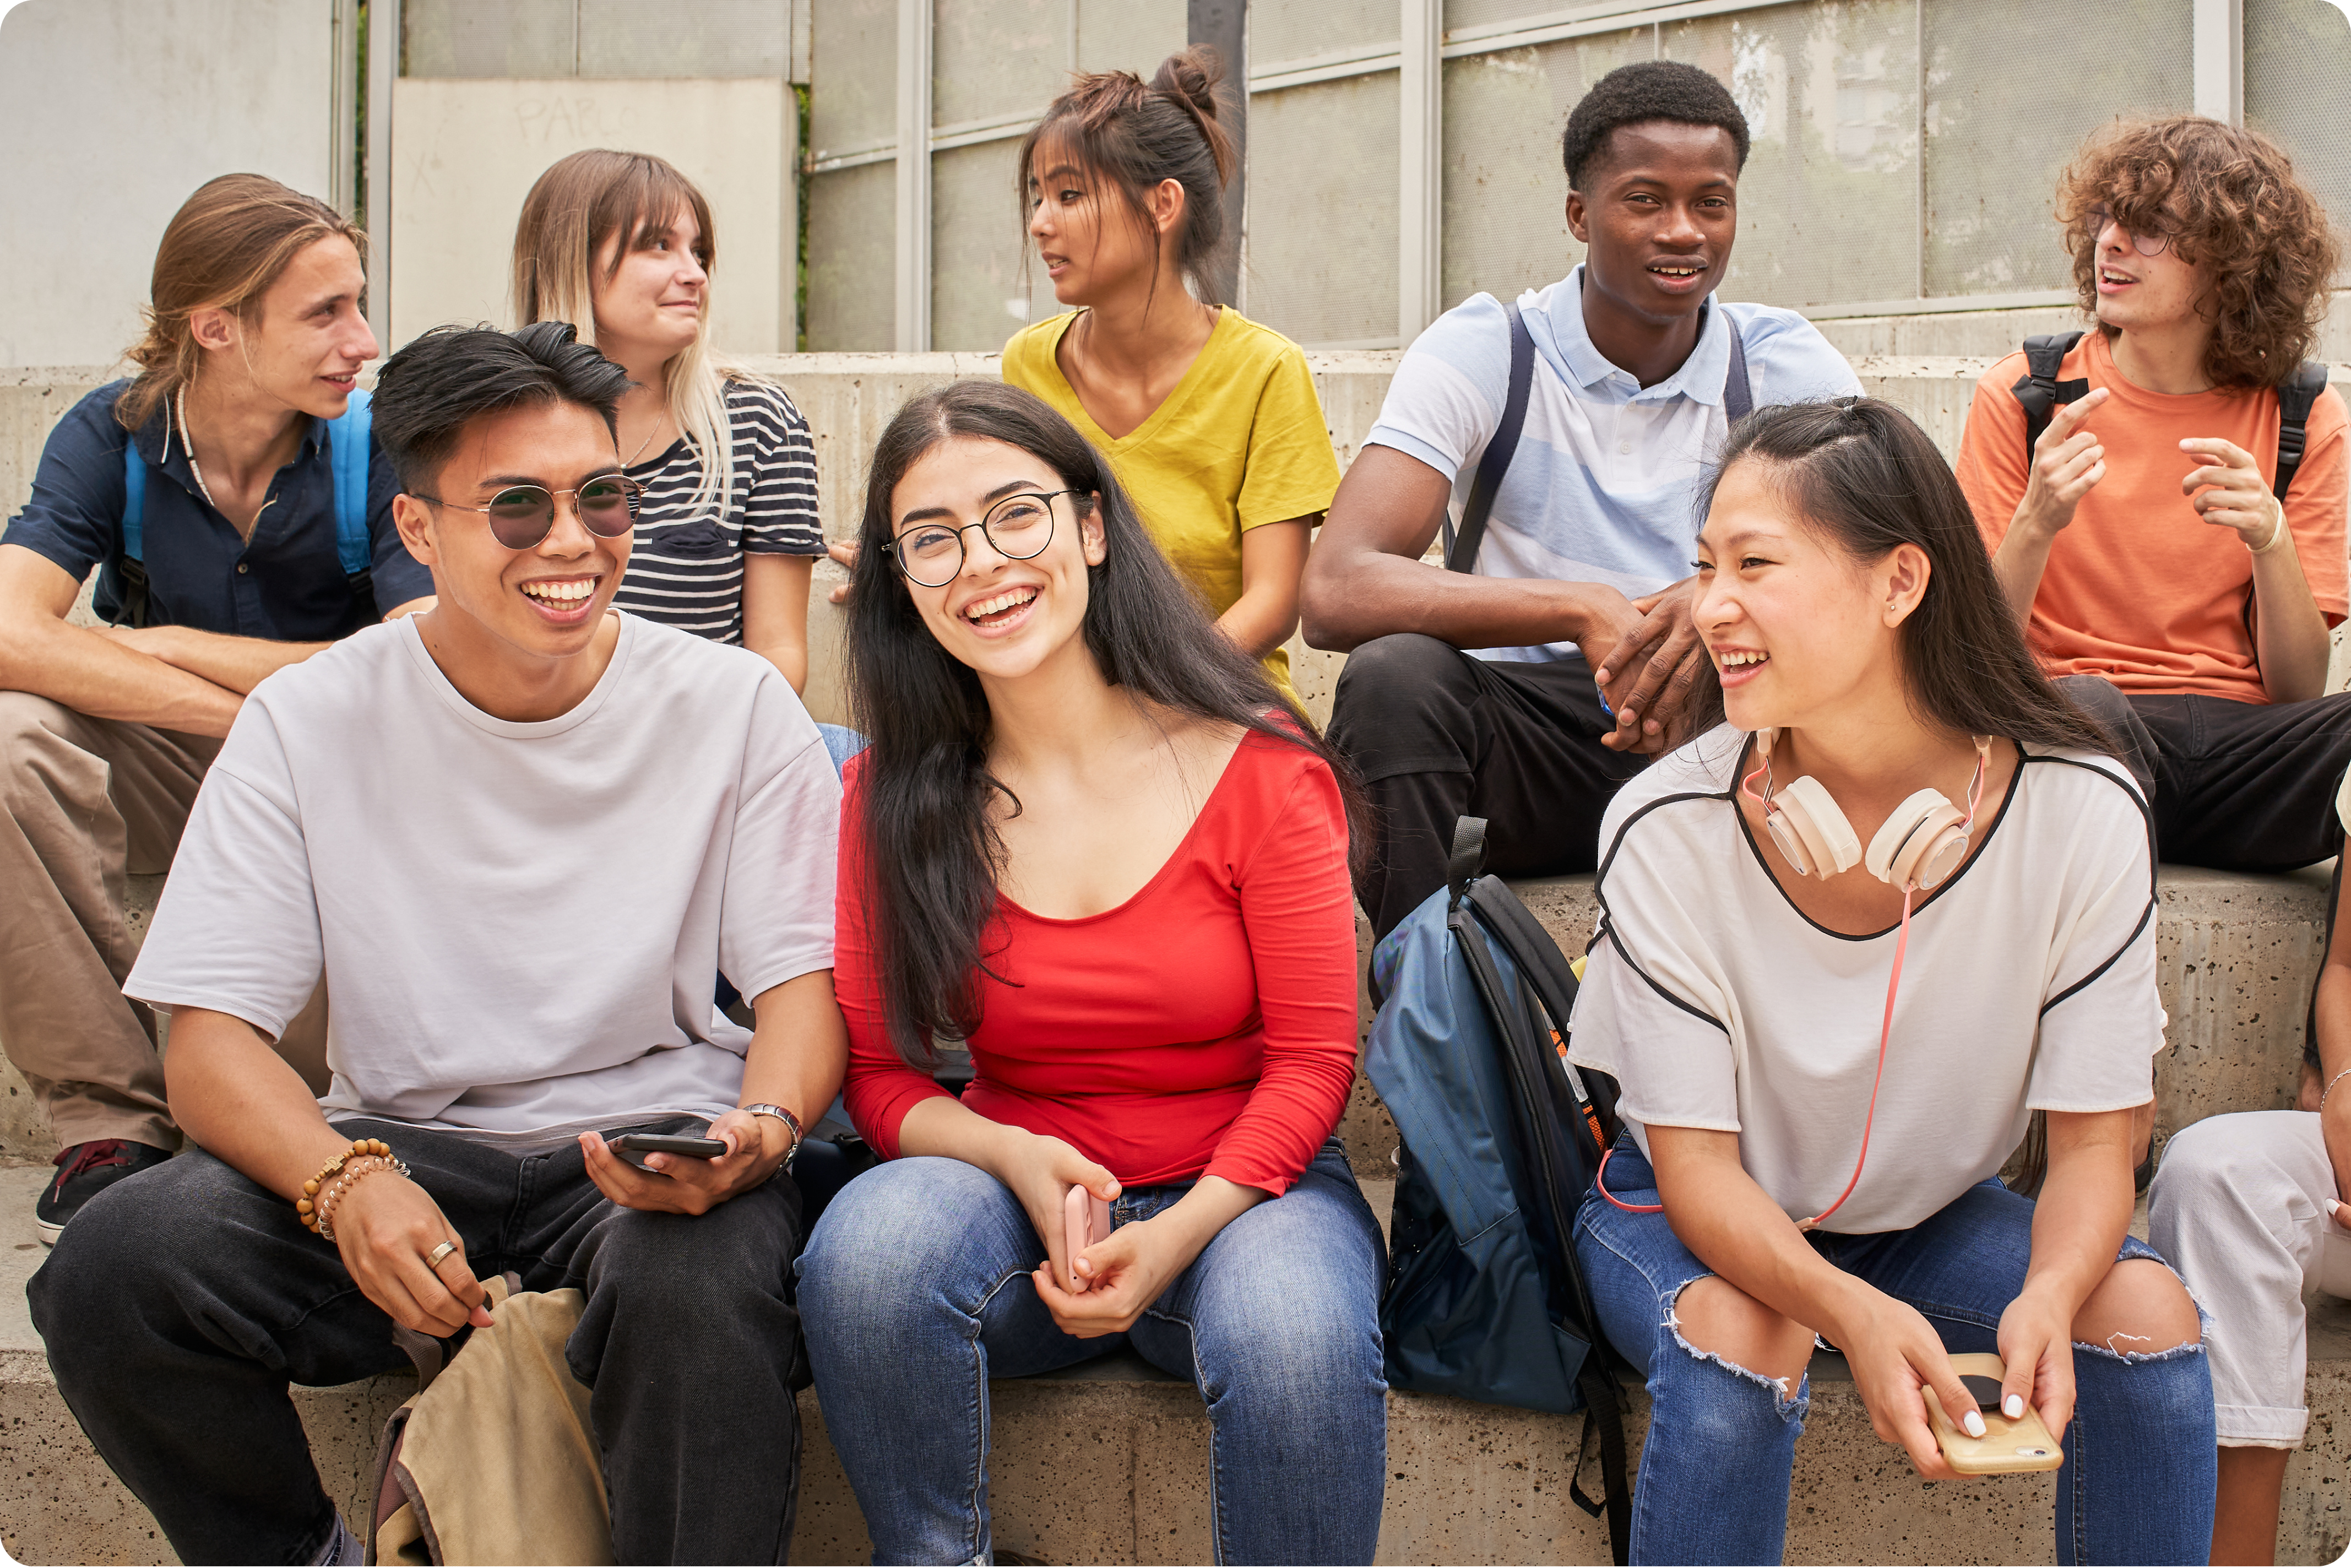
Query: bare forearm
(2019,563)
(240,1102)
(2335,1057)
(1377,595)
(775,613)
(1259,622)
(943,1125)
(2291,632)
(2084,1210)
(94,673)
(1732,1227)
(800,1049)
(233,663)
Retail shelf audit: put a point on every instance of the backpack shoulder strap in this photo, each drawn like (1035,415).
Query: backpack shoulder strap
(347,456)
(1738,400)
(2039,390)
(134,500)
(1461,553)
(2295,400)
(1469,856)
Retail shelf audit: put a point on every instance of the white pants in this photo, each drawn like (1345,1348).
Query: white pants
(2240,1208)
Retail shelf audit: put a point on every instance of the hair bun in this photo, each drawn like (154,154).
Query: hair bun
(1194,76)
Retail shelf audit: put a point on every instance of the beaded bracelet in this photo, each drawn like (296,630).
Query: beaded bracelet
(307,1205)
(351,1176)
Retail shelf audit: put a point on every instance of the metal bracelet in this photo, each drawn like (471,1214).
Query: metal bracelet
(788,1119)
(2330,1088)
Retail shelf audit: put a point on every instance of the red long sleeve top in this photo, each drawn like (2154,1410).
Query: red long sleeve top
(1206,1026)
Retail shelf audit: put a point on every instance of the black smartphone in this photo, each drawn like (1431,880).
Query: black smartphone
(663,1143)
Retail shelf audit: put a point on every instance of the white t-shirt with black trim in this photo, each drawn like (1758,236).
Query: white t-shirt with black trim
(2029,985)
(685,564)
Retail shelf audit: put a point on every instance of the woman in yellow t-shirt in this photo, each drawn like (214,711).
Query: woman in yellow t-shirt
(1210,421)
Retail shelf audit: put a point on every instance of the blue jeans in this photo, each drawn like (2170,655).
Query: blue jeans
(915,1292)
(2139,1463)
(840,743)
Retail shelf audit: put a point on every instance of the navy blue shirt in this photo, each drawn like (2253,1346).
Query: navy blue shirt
(287,584)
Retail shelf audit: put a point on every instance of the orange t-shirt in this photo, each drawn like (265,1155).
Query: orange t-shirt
(2139,588)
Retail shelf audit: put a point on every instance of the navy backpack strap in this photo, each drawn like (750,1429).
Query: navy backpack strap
(1461,553)
(2039,390)
(1738,401)
(2295,400)
(347,456)
(1468,857)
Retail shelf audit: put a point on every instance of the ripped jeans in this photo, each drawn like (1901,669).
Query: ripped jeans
(2139,1466)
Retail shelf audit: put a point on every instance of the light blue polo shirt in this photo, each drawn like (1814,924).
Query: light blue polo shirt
(1606,482)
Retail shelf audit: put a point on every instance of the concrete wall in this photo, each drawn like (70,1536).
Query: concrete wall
(464,152)
(116,111)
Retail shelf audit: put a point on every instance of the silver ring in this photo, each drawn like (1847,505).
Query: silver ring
(432,1259)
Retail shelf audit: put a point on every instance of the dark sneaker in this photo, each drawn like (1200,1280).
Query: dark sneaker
(85,1170)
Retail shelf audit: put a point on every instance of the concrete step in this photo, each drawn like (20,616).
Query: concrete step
(1468,1483)
(2236,957)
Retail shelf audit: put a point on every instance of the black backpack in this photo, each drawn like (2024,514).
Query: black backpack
(1501,1141)
(2041,394)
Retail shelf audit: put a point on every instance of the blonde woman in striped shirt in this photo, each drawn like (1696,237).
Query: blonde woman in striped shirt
(620,244)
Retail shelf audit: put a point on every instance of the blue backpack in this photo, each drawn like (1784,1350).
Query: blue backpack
(347,457)
(1501,1137)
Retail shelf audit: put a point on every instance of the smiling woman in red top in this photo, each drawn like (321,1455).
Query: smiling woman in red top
(1092,843)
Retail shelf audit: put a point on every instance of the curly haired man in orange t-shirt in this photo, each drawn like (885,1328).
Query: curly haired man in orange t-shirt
(2184,596)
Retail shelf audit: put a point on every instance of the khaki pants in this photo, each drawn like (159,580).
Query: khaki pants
(84,803)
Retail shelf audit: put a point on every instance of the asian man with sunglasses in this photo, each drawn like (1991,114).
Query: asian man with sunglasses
(517,832)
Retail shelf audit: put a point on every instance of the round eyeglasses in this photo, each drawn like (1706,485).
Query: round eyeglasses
(2096,219)
(1017,528)
(522,515)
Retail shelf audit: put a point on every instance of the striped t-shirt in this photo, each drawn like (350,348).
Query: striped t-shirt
(685,566)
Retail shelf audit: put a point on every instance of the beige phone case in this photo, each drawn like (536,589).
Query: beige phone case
(2007,1447)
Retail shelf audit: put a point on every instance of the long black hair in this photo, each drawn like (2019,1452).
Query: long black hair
(932,853)
(1862,471)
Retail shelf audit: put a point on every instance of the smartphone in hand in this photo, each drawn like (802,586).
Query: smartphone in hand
(1085,1220)
(2007,1447)
(634,1146)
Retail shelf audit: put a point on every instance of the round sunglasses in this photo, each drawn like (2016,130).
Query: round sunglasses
(2096,219)
(521,515)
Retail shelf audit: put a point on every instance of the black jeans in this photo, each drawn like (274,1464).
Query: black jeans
(1438,735)
(179,1304)
(2234,786)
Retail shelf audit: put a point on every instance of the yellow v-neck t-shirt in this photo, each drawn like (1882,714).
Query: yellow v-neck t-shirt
(1239,443)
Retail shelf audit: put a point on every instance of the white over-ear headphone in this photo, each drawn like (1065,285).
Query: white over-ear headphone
(1921,844)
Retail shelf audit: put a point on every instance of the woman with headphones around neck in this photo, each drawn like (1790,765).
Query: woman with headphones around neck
(1849,942)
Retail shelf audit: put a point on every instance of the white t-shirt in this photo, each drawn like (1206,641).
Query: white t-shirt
(1604,486)
(2029,985)
(520,923)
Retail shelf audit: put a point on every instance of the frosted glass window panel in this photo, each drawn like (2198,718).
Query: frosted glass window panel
(1321,262)
(983,287)
(685,38)
(852,270)
(1129,35)
(2012,87)
(488,38)
(2297,57)
(1505,220)
(994,57)
(1282,31)
(1486,13)
(1828,205)
(853,72)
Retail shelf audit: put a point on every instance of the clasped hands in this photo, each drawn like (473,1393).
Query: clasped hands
(1650,664)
